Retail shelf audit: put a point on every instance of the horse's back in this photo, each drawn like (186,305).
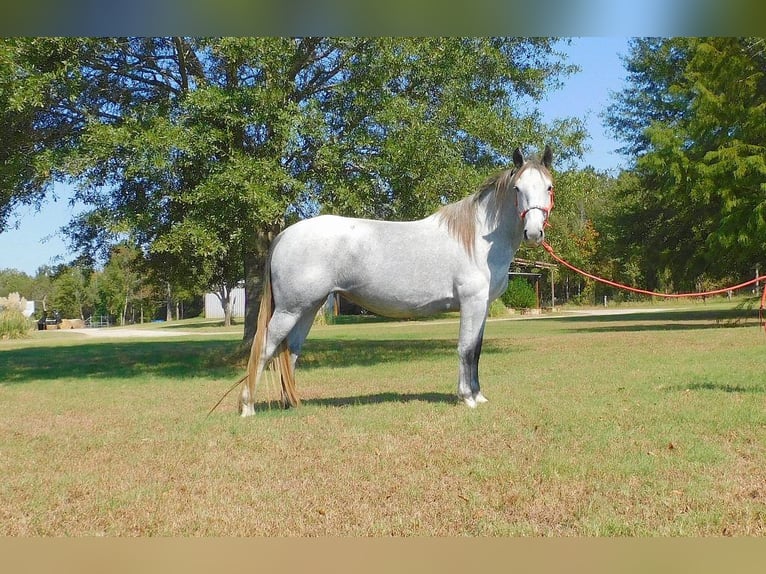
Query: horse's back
(344,239)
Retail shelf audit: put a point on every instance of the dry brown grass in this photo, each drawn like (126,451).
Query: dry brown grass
(645,425)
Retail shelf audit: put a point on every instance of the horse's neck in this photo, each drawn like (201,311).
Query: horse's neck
(500,226)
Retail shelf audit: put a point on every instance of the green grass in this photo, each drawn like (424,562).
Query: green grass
(623,425)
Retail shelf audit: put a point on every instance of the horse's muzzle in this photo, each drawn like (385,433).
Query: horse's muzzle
(533,237)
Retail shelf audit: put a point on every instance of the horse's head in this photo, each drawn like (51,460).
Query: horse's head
(533,185)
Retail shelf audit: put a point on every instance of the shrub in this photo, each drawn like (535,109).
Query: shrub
(497,309)
(13,301)
(519,294)
(324,317)
(13,324)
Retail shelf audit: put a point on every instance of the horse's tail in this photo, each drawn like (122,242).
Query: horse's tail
(281,362)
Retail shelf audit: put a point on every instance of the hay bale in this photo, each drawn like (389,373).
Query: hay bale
(72,324)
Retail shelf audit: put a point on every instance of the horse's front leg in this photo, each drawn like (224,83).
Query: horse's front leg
(473,317)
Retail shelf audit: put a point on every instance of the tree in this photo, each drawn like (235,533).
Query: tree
(698,202)
(201,150)
(70,294)
(121,284)
(42,288)
(19,182)
(14,281)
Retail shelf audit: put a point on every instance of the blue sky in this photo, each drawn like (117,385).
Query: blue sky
(585,95)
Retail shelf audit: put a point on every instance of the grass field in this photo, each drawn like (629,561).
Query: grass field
(650,424)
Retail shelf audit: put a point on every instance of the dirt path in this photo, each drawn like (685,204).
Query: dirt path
(121,332)
(116,332)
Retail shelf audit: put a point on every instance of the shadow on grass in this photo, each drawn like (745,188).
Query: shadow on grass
(681,320)
(116,360)
(320,353)
(388,397)
(179,360)
(197,325)
(722,387)
(359,400)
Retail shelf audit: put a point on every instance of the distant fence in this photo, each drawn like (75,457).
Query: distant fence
(214,310)
(97,321)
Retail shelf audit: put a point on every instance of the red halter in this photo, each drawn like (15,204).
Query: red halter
(545,209)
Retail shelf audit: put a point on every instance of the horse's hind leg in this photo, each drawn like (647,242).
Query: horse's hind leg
(279,327)
(296,338)
(301,330)
(291,327)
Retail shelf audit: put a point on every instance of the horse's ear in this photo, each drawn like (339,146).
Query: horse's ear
(518,159)
(548,157)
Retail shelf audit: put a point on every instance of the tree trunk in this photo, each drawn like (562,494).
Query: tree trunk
(124,311)
(255,255)
(169,306)
(224,297)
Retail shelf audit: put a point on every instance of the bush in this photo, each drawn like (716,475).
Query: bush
(519,294)
(13,324)
(497,309)
(324,317)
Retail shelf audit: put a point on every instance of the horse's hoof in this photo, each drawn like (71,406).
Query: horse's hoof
(470,402)
(479,398)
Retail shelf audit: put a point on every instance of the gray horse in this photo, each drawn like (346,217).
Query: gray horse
(457,258)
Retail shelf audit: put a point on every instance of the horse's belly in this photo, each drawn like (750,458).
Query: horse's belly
(402,303)
(401,280)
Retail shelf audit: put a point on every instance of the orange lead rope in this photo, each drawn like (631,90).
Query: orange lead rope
(549,249)
(760,311)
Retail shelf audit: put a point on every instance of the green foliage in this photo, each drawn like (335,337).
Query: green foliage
(14,281)
(71,294)
(497,309)
(693,113)
(519,294)
(37,288)
(579,231)
(121,281)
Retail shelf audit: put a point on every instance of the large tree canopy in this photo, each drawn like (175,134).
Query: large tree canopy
(692,115)
(199,150)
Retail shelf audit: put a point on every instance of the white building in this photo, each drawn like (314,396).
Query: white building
(214,309)
(29,310)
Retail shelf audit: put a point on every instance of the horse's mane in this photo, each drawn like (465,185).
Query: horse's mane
(460,217)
